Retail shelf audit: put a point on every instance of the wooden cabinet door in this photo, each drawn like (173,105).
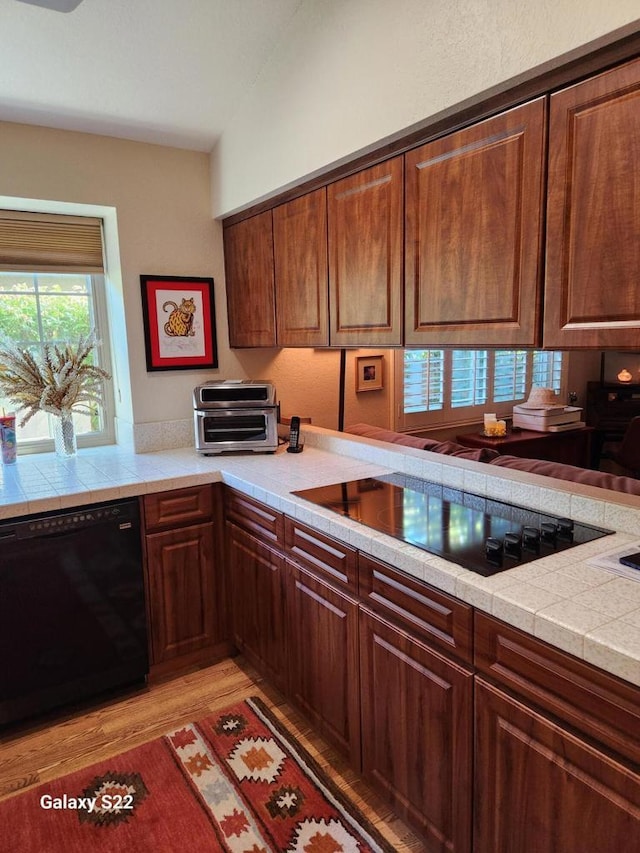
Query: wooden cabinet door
(301,276)
(540,789)
(323,630)
(256,587)
(183,599)
(592,298)
(248,261)
(473,236)
(417,733)
(365,257)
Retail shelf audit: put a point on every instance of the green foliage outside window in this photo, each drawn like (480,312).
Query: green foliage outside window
(63,302)
(46,307)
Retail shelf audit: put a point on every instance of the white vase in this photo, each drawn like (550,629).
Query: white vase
(64,435)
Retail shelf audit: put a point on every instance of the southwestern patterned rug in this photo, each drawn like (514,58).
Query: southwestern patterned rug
(236,781)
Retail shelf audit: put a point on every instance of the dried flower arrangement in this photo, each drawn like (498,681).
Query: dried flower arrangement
(60,381)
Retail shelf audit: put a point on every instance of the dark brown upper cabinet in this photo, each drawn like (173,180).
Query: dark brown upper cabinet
(301,277)
(248,255)
(473,234)
(365,213)
(592,297)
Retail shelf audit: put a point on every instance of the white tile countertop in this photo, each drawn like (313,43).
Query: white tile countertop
(563,599)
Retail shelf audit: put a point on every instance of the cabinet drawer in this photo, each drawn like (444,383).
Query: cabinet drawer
(178,507)
(322,554)
(600,705)
(434,616)
(255,517)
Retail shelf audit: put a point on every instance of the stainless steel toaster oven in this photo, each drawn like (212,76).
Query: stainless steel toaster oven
(235,415)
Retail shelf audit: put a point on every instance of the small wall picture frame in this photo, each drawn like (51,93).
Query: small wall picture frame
(179,322)
(369,373)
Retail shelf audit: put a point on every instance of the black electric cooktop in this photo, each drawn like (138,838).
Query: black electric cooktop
(479,533)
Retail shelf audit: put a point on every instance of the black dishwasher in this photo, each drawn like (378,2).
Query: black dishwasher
(72,607)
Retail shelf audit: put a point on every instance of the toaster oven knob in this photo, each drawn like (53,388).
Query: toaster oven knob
(494,550)
(531,539)
(512,545)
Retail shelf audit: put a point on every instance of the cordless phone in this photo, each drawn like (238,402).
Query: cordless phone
(294,436)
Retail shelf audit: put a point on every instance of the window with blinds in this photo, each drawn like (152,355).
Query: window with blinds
(453,386)
(52,290)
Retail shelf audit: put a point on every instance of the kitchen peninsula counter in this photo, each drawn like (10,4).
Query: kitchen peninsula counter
(562,598)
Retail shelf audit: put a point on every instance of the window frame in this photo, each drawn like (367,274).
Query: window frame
(105,436)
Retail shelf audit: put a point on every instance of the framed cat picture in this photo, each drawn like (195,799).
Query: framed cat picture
(179,322)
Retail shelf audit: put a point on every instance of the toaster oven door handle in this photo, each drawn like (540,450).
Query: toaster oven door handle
(211,413)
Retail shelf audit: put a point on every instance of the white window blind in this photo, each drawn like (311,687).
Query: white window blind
(469,378)
(510,375)
(547,370)
(423,380)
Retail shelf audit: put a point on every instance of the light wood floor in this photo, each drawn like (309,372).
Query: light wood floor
(36,753)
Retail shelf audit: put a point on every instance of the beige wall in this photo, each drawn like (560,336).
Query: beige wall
(160,199)
(308,383)
(351,73)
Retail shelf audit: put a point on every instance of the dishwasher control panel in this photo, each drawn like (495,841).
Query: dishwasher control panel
(53,522)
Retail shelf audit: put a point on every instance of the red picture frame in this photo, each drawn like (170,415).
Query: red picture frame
(179,322)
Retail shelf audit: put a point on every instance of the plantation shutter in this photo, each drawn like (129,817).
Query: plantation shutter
(423,380)
(469,378)
(547,370)
(41,242)
(509,375)
(448,386)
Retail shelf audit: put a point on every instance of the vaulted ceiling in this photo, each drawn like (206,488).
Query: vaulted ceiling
(166,71)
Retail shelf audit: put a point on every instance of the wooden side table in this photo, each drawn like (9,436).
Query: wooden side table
(573,447)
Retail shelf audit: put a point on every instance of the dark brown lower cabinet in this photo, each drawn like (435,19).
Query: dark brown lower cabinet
(184,578)
(416,732)
(481,737)
(542,789)
(256,581)
(323,659)
(183,600)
